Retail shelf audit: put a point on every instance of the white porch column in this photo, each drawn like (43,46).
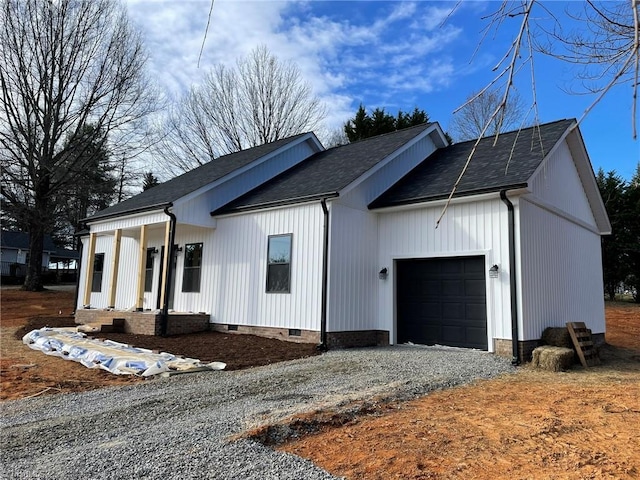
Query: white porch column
(141,269)
(115,263)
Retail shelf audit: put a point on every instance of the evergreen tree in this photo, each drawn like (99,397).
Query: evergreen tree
(633,247)
(613,190)
(364,125)
(149,181)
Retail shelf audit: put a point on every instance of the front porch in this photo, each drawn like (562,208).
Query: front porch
(146,323)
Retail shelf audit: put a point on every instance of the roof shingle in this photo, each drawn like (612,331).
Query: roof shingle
(191,181)
(325,173)
(492,168)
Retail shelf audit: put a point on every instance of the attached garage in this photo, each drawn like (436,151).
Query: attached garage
(442,301)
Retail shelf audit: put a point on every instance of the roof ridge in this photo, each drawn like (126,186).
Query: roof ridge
(516,130)
(402,130)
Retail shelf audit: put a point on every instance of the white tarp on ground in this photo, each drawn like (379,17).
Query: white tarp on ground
(118,358)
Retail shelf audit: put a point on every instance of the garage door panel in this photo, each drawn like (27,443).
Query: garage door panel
(473,266)
(476,335)
(474,287)
(451,268)
(431,333)
(476,311)
(430,310)
(452,287)
(442,301)
(453,310)
(453,336)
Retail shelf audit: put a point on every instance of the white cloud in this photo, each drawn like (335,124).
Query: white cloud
(392,46)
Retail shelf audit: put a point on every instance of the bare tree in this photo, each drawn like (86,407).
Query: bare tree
(64,65)
(606,43)
(260,100)
(604,40)
(469,121)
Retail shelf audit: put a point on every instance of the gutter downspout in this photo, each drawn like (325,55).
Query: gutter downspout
(325,277)
(164,317)
(515,359)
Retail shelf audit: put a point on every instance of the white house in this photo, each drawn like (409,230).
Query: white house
(14,254)
(340,246)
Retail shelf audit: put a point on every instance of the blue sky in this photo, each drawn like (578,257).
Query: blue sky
(391,54)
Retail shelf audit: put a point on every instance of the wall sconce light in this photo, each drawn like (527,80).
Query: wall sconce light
(382,274)
(177,249)
(493,271)
(153,251)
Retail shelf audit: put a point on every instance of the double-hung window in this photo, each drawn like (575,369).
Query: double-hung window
(98,268)
(192,266)
(279,264)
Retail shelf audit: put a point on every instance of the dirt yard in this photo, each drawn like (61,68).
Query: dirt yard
(581,424)
(26,373)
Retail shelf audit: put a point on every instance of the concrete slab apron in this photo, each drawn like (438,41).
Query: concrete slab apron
(180,427)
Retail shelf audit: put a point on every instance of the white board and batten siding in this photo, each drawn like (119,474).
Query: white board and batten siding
(353,266)
(193,302)
(127,277)
(561,273)
(468,228)
(353,270)
(236,261)
(558,187)
(129,222)
(127,272)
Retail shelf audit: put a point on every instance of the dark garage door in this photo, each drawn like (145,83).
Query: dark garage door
(442,301)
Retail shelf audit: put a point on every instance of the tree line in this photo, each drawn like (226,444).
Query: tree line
(621,249)
(77,107)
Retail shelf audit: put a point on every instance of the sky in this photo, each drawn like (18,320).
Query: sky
(386,54)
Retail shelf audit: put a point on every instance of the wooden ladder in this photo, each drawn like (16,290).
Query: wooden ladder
(583,343)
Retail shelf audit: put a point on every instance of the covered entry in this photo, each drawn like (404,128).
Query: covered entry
(442,301)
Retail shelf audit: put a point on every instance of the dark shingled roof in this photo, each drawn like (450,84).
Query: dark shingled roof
(170,191)
(20,240)
(325,173)
(434,178)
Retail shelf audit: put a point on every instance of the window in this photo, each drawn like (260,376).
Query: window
(98,268)
(192,264)
(279,264)
(148,272)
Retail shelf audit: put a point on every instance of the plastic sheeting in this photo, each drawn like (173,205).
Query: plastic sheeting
(115,357)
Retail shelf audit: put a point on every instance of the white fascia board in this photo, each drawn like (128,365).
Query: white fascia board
(107,224)
(310,138)
(562,214)
(455,200)
(581,160)
(440,139)
(388,159)
(276,207)
(588,179)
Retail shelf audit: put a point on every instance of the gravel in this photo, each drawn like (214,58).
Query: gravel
(181,427)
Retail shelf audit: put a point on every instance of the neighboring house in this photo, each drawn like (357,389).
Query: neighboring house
(14,254)
(340,246)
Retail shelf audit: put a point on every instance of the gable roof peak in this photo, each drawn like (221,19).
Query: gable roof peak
(168,192)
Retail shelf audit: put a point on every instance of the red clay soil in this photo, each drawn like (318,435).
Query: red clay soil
(580,424)
(25,372)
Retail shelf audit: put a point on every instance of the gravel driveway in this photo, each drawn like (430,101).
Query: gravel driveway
(179,427)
